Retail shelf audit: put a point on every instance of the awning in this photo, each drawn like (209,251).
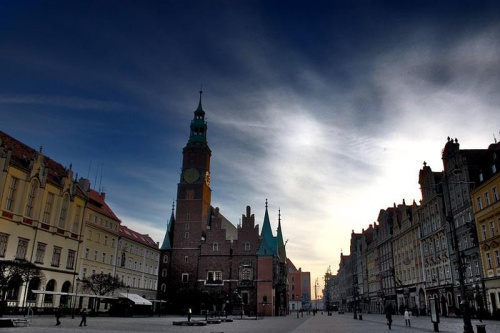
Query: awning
(45,292)
(138,300)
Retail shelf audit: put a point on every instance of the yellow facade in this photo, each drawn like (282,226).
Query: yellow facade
(486,203)
(41,211)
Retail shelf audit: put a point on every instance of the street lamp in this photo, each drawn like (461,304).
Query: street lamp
(464,304)
(76,296)
(241,300)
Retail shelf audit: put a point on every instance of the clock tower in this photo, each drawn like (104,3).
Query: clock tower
(193,204)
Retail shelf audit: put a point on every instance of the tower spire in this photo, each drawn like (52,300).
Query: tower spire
(198,126)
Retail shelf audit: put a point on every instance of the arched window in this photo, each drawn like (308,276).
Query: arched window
(51,286)
(165,259)
(64,298)
(247,246)
(64,212)
(164,272)
(34,285)
(163,287)
(30,204)
(215,247)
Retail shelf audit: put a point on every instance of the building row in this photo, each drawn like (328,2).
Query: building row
(62,226)
(417,251)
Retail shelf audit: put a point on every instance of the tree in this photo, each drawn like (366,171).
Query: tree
(13,273)
(102,284)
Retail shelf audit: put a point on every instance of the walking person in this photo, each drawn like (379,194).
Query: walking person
(189,314)
(407,318)
(58,316)
(83,313)
(388,315)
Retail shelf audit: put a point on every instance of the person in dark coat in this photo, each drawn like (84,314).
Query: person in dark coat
(388,315)
(83,313)
(58,316)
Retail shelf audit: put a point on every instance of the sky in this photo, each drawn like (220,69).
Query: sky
(327,109)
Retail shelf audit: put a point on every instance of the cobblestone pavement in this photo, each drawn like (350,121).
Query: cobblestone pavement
(345,323)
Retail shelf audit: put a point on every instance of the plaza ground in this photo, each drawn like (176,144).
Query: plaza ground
(344,323)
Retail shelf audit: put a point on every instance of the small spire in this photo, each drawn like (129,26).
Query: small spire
(200,108)
(266,203)
(173,205)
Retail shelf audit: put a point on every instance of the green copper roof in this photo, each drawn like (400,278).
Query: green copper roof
(198,127)
(281,244)
(166,240)
(268,241)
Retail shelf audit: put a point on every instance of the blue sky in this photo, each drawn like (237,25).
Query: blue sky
(328,109)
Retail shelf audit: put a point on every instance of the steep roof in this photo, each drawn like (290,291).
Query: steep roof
(167,245)
(280,244)
(268,245)
(22,155)
(137,237)
(96,202)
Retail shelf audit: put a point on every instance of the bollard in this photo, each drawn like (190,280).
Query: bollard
(481,328)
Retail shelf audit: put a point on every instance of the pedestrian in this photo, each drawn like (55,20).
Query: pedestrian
(388,315)
(83,313)
(189,314)
(58,316)
(407,318)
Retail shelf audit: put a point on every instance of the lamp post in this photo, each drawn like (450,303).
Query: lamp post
(464,304)
(76,296)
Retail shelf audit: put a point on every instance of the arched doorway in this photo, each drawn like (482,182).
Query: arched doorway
(64,298)
(421,302)
(14,285)
(33,285)
(51,286)
(444,307)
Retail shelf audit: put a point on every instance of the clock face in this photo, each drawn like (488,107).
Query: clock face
(207,178)
(191,175)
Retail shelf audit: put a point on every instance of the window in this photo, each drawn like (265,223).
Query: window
(479,204)
(87,251)
(22,248)
(165,259)
(185,277)
(76,222)
(185,259)
(215,247)
(70,263)
(56,256)
(214,277)
(3,244)
(95,255)
(497,258)
(164,272)
(486,199)
(40,252)
(492,227)
(11,195)
(84,273)
(163,287)
(111,261)
(247,246)
(31,198)
(488,260)
(495,193)
(64,212)
(245,297)
(483,229)
(48,208)
(103,257)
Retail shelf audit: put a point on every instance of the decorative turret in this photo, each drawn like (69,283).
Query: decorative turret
(198,125)
(167,241)
(268,241)
(281,244)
